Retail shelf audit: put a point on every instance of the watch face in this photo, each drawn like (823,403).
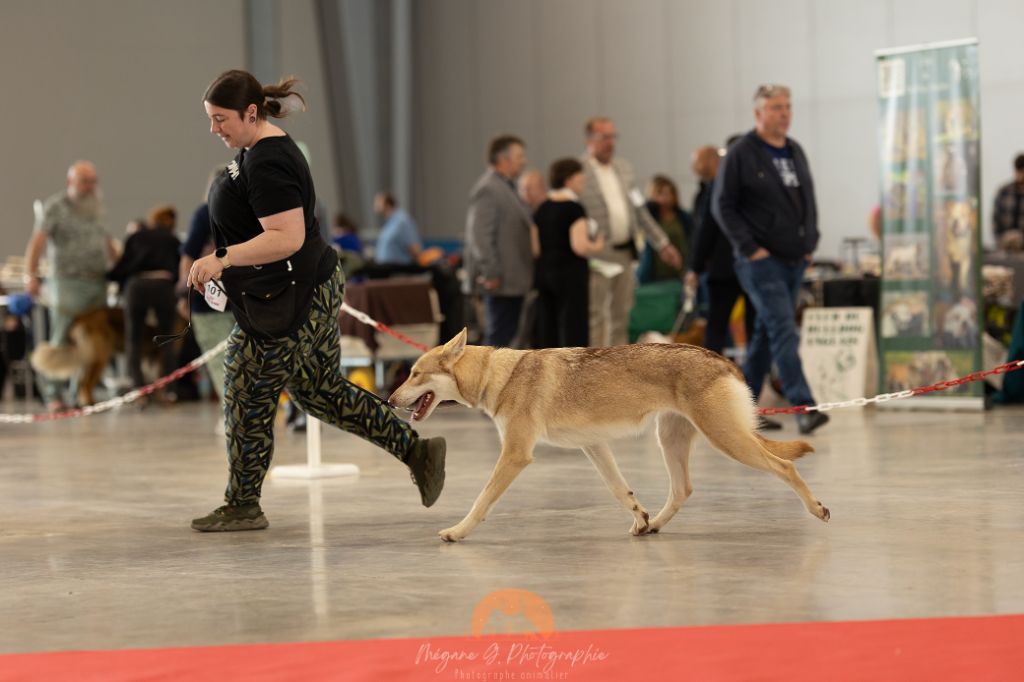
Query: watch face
(221,252)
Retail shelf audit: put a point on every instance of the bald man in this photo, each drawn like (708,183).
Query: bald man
(79,251)
(532,189)
(611,199)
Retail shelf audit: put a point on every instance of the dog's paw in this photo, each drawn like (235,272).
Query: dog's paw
(823,513)
(451,534)
(641,524)
(656,525)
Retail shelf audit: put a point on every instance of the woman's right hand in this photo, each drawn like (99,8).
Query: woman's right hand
(203,270)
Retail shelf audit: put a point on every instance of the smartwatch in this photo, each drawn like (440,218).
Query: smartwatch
(222,255)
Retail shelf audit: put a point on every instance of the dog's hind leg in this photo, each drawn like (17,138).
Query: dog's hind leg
(747,449)
(675,435)
(729,428)
(603,460)
(90,377)
(516,454)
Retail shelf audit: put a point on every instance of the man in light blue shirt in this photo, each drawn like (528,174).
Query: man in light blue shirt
(399,241)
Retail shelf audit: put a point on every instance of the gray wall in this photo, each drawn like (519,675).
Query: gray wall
(119,82)
(675,74)
(299,51)
(116,82)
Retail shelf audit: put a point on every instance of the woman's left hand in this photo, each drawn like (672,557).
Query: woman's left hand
(203,270)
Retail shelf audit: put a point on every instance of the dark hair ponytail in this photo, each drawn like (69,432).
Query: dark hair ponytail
(238,89)
(275,96)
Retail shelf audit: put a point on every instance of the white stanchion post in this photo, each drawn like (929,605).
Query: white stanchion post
(313,442)
(314,467)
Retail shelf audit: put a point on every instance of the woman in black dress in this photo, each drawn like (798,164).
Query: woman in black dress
(563,278)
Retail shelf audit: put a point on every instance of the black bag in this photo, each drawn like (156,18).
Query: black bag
(272,301)
(269,306)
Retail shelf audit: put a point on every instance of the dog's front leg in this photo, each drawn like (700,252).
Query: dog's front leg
(516,454)
(603,460)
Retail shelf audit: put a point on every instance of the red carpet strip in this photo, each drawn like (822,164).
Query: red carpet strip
(947,649)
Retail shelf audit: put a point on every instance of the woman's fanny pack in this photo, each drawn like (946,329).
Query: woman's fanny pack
(272,301)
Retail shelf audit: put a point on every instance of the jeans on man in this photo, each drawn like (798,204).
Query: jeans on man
(772,286)
(502,319)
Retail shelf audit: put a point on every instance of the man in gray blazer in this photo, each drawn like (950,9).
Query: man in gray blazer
(613,201)
(499,258)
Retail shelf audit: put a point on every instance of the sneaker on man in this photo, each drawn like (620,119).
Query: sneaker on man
(231,518)
(807,422)
(426,465)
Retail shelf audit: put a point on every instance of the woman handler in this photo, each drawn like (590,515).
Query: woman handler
(285,287)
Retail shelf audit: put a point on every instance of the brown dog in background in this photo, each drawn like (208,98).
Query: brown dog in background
(93,339)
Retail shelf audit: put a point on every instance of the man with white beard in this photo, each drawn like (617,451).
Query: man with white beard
(80,252)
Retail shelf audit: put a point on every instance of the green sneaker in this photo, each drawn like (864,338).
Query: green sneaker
(426,465)
(230,518)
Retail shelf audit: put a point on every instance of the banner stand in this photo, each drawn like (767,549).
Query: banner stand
(931,311)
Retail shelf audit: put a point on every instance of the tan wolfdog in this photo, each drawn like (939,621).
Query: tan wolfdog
(585,397)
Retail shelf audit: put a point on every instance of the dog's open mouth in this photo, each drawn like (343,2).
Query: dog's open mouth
(423,405)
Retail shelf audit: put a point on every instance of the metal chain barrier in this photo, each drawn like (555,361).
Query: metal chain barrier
(120,400)
(132,396)
(886,397)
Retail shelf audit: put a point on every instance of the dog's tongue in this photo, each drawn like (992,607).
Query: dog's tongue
(423,405)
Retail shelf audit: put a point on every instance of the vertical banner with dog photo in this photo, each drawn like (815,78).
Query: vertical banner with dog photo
(929,140)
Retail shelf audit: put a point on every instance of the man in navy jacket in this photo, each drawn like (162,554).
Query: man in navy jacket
(764,201)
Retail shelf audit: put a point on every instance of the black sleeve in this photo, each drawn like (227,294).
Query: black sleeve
(705,238)
(725,202)
(811,209)
(198,233)
(577,211)
(127,264)
(273,186)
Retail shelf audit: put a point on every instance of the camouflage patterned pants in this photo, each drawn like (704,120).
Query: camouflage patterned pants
(307,364)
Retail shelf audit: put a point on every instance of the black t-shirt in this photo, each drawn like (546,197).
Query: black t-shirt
(147,250)
(269,178)
(554,220)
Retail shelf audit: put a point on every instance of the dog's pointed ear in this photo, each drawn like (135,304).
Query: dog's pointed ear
(454,348)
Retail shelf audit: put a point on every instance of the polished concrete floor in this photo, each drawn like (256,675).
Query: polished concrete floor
(96,553)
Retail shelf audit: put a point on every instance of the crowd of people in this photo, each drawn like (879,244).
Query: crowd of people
(573,246)
(150,266)
(587,244)
(555,258)
(256,270)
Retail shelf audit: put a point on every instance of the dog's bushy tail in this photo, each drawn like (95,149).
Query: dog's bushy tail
(56,362)
(786,449)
